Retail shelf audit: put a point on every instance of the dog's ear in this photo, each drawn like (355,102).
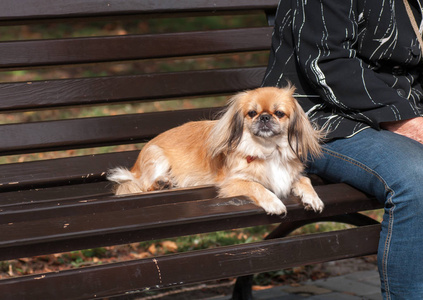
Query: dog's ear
(303,139)
(227,132)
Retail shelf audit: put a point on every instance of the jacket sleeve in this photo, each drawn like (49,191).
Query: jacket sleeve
(326,42)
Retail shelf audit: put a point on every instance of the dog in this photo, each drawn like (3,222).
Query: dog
(256,148)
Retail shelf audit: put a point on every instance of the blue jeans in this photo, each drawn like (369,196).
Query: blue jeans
(390,167)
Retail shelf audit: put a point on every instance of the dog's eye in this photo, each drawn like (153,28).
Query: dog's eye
(252,113)
(279,114)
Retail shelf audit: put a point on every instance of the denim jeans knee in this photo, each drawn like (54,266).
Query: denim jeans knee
(390,167)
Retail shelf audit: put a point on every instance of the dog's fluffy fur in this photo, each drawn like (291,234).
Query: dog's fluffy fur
(255,149)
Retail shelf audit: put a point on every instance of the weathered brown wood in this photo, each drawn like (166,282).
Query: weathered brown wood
(67,225)
(55,194)
(88,50)
(356,219)
(10,10)
(222,262)
(100,90)
(108,221)
(93,132)
(68,205)
(63,171)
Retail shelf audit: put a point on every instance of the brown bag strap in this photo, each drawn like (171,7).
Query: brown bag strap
(414,24)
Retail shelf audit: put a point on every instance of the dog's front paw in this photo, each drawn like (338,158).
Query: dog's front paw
(273,206)
(313,203)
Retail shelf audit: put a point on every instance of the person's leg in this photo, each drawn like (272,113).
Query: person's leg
(390,167)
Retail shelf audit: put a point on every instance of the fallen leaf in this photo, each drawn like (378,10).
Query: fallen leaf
(170,246)
(152,249)
(10,272)
(261,287)
(141,255)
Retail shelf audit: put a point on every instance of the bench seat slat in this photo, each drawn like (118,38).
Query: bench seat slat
(104,200)
(93,132)
(54,194)
(10,10)
(203,265)
(88,50)
(89,91)
(92,224)
(77,223)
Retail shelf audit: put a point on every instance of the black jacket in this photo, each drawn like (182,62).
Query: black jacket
(356,63)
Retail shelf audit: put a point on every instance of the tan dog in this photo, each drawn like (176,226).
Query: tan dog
(255,149)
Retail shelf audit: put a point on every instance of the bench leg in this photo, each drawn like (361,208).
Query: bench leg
(243,286)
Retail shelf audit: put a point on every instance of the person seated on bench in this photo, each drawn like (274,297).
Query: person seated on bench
(363,61)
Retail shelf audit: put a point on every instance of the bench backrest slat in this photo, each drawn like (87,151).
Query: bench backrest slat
(105,49)
(72,170)
(94,132)
(10,10)
(100,90)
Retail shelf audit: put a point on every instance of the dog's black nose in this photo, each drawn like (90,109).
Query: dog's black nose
(265,118)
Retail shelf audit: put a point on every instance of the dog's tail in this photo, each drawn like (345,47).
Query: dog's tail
(126,182)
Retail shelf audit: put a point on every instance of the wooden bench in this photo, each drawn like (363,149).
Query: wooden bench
(62,202)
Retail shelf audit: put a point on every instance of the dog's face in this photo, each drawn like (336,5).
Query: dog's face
(267,111)
(270,114)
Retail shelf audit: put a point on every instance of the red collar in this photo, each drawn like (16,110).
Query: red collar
(251,158)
